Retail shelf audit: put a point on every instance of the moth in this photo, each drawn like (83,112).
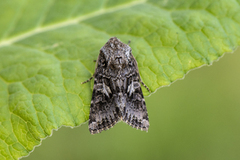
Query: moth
(117,93)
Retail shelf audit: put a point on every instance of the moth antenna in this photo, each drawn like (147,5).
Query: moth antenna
(145,86)
(87,80)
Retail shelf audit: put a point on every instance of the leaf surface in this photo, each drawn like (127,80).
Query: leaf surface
(47,49)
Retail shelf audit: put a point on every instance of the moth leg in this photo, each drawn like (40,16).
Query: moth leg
(94,60)
(145,86)
(87,80)
(129,42)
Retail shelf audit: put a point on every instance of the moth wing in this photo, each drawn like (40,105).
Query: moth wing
(103,112)
(135,112)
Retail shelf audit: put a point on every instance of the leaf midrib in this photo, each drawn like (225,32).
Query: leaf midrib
(67,23)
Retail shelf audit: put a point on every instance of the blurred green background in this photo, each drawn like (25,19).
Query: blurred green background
(197,118)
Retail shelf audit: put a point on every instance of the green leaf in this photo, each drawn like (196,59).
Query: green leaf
(47,49)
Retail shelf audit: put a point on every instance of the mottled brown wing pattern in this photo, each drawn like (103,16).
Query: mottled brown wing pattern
(135,113)
(103,113)
(117,93)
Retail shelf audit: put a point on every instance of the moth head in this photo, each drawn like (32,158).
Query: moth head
(116,54)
